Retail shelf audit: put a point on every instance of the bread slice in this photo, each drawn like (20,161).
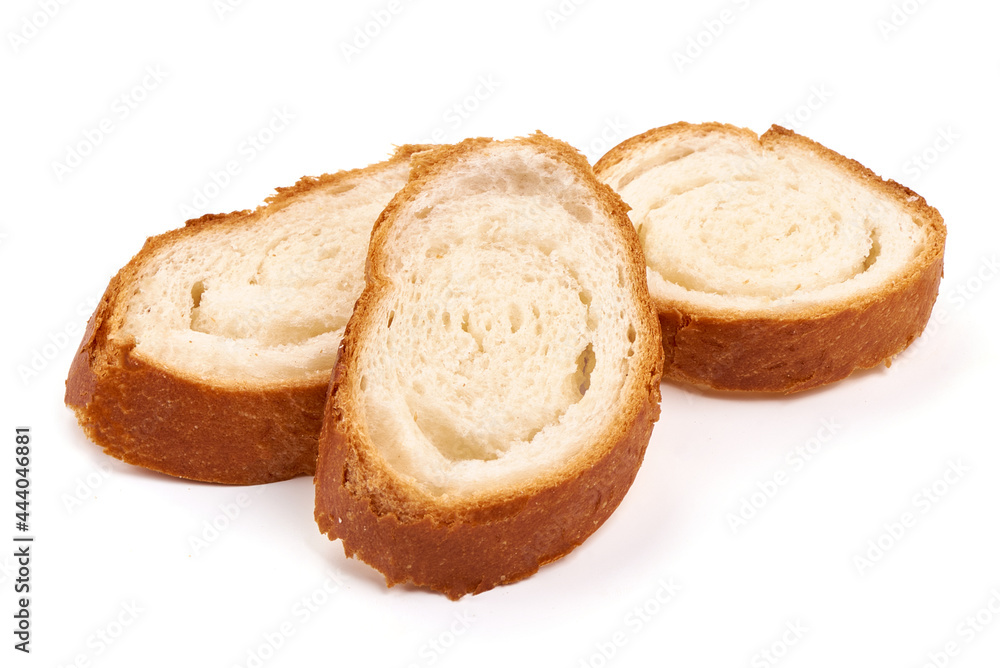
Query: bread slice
(499,378)
(775,264)
(210,353)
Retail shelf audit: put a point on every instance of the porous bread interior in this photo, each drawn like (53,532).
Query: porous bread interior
(502,343)
(726,223)
(266,302)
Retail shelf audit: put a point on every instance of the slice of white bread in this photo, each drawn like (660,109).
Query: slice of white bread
(499,378)
(210,353)
(775,264)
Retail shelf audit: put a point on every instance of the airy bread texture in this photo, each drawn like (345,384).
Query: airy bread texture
(210,353)
(499,378)
(775,264)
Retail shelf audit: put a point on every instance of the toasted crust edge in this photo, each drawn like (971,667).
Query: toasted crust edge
(235,433)
(812,346)
(496,539)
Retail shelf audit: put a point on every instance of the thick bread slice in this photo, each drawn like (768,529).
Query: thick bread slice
(499,378)
(210,353)
(775,263)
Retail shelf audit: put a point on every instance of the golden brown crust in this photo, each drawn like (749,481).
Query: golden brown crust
(504,542)
(235,432)
(624,150)
(794,354)
(816,344)
(472,545)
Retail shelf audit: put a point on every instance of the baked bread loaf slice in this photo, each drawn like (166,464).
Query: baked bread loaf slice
(210,352)
(499,379)
(775,264)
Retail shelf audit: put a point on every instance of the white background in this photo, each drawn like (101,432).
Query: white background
(114,557)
